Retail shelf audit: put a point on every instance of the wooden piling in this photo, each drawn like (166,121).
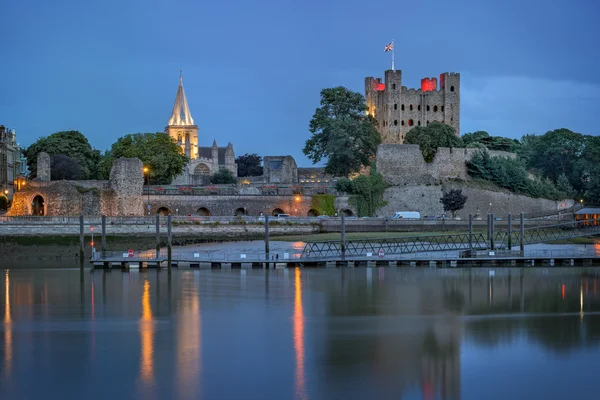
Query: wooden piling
(81,242)
(169,244)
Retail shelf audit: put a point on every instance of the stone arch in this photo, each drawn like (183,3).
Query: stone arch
(419,107)
(277,211)
(179,138)
(202,169)
(402,108)
(435,108)
(204,212)
(38,205)
(163,211)
(395,106)
(395,122)
(347,212)
(402,123)
(312,213)
(240,211)
(419,123)
(411,122)
(428,108)
(452,88)
(3,202)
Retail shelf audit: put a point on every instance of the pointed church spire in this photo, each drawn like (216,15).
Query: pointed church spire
(181,112)
(214,146)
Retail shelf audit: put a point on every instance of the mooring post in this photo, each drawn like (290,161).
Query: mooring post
(522,235)
(510,231)
(157,235)
(471,232)
(169,240)
(492,219)
(103,235)
(81,242)
(267,240)
(343,234)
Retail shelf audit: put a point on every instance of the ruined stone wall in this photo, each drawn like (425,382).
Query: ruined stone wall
(404,164)
(127,181)
(43,167)
(280,169)
(426,200)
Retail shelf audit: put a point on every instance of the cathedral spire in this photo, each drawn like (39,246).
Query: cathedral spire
(181,112)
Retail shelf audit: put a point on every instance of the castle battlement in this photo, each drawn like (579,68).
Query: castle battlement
(398,108)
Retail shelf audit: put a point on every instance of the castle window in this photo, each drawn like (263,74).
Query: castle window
(395,106)
(419,123)
(419,107)
(395,122)
(427,122)
(402,123)
(394,86)
(442,108)
(451,119)
(386,107)
(452,88)
(410,107)
(402,107)
(435,108)
(427,108)
(411,122)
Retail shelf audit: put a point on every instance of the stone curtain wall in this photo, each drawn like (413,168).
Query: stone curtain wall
(403,164)
(426,200)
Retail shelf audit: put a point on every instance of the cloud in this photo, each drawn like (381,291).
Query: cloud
(514,106)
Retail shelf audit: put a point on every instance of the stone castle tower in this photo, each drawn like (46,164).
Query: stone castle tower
(204,161)
(398,109)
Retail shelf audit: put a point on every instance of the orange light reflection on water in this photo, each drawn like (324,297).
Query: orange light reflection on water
(299,335)
(189,339)
(7,328)
(147,337)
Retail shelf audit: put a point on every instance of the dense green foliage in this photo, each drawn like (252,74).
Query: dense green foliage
(65,167)
(366,190)
(249,165)
(323,204)
(481,139)
(342,133)
(69,143)
(453,200)
(512,175)
(157,151)
(223,176)
(432,136)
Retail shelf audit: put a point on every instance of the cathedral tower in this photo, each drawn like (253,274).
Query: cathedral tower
(181,124)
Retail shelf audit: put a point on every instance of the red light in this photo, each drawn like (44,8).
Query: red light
(380,87)
(92,244)
(92,229)
(562,292)
(428,84)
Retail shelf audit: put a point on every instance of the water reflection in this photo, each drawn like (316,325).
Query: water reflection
(299,336)
(189,341)
(147,337)
(7,327)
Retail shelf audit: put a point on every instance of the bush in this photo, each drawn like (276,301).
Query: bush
(223,176)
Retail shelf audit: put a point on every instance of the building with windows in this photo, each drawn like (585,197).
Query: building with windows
(398,109)
(10,155)
(204,161)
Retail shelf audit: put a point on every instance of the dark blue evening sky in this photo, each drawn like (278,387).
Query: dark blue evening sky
(253,69)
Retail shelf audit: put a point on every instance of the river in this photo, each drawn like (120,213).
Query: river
(362,333)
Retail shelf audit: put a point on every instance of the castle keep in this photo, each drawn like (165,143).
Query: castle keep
(398,109)
(204,161)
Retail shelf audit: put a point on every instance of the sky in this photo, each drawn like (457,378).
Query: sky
(253,70)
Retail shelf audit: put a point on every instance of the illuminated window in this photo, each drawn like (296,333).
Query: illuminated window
(411,122)
(395,106)
(410,107)
(402,107)
(452,88)
(435,108)
(395,122)
(427,108)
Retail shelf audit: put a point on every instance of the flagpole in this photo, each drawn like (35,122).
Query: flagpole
(393,50)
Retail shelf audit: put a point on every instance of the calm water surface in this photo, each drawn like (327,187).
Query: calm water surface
(374,333)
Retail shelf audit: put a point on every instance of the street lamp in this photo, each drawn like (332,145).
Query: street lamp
(581,202)
(147,173)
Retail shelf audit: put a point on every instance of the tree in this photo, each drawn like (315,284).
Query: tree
(367,191)
(158,151)
(69,143)
(249,165)
(432,136)
(453,201)
(563,184)
(223,176)
(64,167)
(483,139)
(342,132)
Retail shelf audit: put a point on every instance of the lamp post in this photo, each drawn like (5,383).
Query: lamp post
(581,203)
(147,173)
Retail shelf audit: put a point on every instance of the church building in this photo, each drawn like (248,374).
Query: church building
(204,161)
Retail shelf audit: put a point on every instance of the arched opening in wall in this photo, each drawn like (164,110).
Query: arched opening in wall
(393,86)
(419,107)
(187,137)
(3,203)
(395,122)
(312,213)
(395,106)
(419,123)
(179,138)
(452,88)
(203,212)
(37,206)
(442,108)
(163,211)
(435,108)
(239,212)
(427,122)
(277,211)
(428,108)
(202,169)
(402,123)
(411,122)
(410,107)
(402,107)
(347,213)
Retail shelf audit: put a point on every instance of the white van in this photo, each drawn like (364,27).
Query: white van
(407,215)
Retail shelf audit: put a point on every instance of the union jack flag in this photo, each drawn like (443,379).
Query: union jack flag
(389,47)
